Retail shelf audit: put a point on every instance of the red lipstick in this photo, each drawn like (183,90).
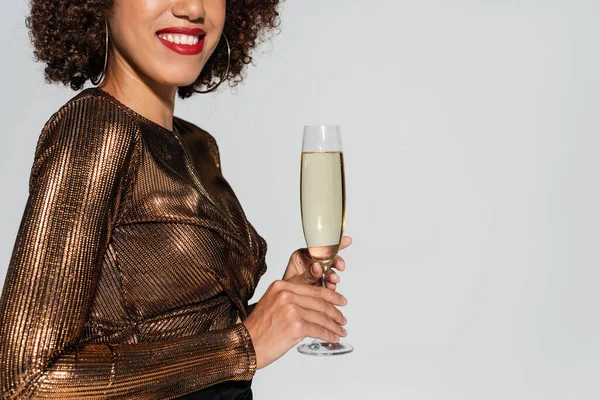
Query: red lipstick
(185,49)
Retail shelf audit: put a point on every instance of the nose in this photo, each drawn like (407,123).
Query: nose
(190,9)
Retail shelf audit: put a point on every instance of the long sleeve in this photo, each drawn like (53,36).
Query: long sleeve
(77,185)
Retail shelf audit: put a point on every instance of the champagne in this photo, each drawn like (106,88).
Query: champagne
(323,208)
(323,203)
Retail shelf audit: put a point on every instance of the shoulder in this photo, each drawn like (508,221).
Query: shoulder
(89,120)
(197,138)
(90,111)
(88,128)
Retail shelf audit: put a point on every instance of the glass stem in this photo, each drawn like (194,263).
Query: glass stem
(325,266)
(316,342)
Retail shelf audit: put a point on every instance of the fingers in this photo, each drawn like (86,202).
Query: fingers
(318,332)
(345,242)
(332,277)
(332,280)
(313,275)
(301,256)
(303,264)
(319,292)
(317,270)
(321,319)
(289,312)
(339,264)
(318,305)
(308,311)
(310,275)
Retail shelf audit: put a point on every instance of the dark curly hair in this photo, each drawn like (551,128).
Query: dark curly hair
(69,36)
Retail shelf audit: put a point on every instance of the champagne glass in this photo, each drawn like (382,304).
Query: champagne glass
(323,206)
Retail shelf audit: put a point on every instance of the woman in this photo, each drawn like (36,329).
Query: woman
(134,261)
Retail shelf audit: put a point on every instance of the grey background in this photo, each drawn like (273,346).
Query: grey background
(471,140)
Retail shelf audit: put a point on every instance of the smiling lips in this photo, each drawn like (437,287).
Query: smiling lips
(186,41)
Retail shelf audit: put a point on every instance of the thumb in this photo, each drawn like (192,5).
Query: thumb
(310,276)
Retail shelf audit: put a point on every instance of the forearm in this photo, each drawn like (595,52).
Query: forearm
(153,370)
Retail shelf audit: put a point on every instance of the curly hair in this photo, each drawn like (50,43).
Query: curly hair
(69,36)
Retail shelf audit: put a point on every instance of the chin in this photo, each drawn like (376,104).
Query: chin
(181,79)
(184,82)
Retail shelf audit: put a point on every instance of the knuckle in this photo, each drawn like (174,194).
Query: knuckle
(293,257)
(284,297)
(291,310)
(297,328)
(316,291)
(278,285)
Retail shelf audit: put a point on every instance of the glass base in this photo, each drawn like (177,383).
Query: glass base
(320,348)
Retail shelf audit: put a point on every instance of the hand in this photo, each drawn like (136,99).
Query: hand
(289,312)
(299,267)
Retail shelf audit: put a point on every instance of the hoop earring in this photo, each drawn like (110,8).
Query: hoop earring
(224,75)
(96,82)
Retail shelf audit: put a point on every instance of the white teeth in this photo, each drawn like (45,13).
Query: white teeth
(180,39)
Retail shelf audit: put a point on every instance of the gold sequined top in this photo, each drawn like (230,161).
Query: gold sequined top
(132,263)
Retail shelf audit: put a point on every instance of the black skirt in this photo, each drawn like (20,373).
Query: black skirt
(230,390)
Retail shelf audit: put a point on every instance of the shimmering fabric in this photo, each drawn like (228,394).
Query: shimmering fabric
(132,263)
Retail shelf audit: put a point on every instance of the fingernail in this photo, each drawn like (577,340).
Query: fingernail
(345,321)
(345,332)
(344,300)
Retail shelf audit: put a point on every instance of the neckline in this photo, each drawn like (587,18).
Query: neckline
(137,115)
